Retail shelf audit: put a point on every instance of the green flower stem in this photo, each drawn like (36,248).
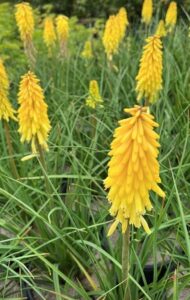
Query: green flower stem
(125,263)
(43,163)
(10,150)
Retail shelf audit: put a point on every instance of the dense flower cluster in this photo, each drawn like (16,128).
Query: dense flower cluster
(123,22)
(62,27)
(133,169)
(111,37)
(114,32)
(147,10)
(34,125)
(94,99)
(149,78)
(6,110)
(49,33)
(171,16)
(25,21)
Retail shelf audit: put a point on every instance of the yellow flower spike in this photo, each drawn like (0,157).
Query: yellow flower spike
(111,36)
(149,78)
(6,110)
(161,30)
(49,34)
(123,22)
(147,11)
(133,169)
(34,125)
(25,23)
(94,99)
(87,51)
(62,27)
(171,16)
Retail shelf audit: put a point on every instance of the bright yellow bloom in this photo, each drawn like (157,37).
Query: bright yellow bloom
(161,30)
(49,33)
(123,22)
(147,10)
(34,125)
(6,110)
(149,78)
(111,36)
(25,21)
(133,169)
(87,51)
(94,99)
(62,26)
(171,15)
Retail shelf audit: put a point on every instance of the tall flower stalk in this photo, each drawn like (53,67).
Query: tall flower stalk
(25,23)
(133,171)
(34,124)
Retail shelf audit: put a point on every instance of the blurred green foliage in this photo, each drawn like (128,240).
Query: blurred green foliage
(98,8)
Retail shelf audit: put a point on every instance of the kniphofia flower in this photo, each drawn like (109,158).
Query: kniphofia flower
(62,27)
(34,124)
(87,51)
(25,23)
(94,99)
(171,16)
(49,33)
(161,30)
(123,22)
(149,78)
(147,10)
(6,110)
(133,169)
(111,36)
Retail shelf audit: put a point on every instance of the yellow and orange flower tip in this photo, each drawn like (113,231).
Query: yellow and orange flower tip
(149,78)
(87,51)
(147,10)
(94,99)
(171,16)
(161,30)
(133,169)
(49,33)
(25,21)
(6,110)
(123,22)
(111,36)
(34,124)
